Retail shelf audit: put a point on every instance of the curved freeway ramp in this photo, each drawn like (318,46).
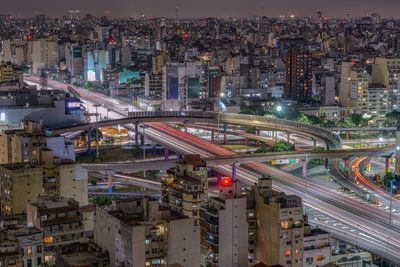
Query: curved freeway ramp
(332,140)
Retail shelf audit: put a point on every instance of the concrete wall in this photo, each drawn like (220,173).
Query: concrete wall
(51,117)
(183,243)
(233,234)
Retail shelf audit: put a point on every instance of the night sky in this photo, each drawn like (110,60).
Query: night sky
(202,8)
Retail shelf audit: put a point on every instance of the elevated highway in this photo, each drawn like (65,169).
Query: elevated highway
(131,166)
(332,140)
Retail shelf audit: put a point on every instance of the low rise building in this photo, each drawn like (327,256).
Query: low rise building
(317,247)
(26,241)
(60,221)
(139,232)
(82,255)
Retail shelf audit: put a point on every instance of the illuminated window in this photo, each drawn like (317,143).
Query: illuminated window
(29,251)
(49,239)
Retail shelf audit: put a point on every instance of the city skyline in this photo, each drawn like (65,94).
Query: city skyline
(201,134)
(206,8)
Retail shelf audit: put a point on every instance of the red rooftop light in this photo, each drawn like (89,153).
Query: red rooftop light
(226,181)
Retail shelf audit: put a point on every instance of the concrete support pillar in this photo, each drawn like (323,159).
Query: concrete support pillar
(166,153)
(369,165)
(136,134)
(326,163)
(346,164)
(89,137)
(257,131)
(397,153)
(246,141)
(225,138)
(110,183)
(142,140)
(304,169)
(234,170)
(212,136)
(186,130)
(387,165)
(288,136)
(314,143)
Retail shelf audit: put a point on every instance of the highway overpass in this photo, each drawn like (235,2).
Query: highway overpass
(132,166)
(332,140)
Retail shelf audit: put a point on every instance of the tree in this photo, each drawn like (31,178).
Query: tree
(89,86)
(264,149)
(356,120)
(93,181)
(308,119)
(392,118)
(394,115)
(389,178)
(101,201)
(283,146)
(328,123)
(252,110)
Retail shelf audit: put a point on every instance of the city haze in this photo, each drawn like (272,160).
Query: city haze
(205,8)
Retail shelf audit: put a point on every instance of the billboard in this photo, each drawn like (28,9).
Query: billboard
(283,161)
(72,106)
(126,75)
(77,52)
(215,86)
(172,83)
(193,88)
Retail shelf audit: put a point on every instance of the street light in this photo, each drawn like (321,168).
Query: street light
(144,147)
(278,110)
(219,110)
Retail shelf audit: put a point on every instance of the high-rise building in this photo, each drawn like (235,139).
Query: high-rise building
(224,227)
(153,86)
(185,187)
(174,93)
(44,54)
(20,183)
(324,87)
(74,59)
(184,81)
(10,73)
(386,71)
(354,87)
(140,232)
(298,75)
(48,160)
(280,229)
